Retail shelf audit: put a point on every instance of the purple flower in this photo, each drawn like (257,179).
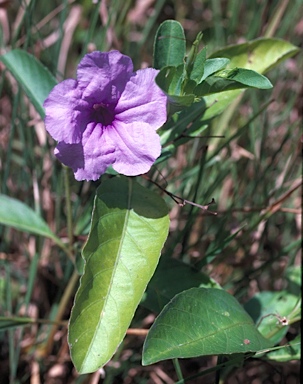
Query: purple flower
(108,116)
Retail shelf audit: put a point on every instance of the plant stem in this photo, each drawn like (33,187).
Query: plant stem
(178,369)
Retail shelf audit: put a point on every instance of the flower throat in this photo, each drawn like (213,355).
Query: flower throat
(103,114)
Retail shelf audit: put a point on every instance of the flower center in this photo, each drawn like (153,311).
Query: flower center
(103,114)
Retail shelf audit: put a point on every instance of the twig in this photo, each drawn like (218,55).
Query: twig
(181,202)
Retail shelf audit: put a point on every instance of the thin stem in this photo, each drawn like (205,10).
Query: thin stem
(180,201)
(178,369)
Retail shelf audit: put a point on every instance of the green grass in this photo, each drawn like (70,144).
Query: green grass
(254,175)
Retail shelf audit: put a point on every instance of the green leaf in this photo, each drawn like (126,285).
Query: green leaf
(212,66)
(193,58)
(129,226)
(169,44)
(246,77)
(34,78)
(227,80)
(16,214)
(198,67)
(201,322)
(214,84)
(171,277)
(291,351)
(170,80)
(260,55)
(266,308)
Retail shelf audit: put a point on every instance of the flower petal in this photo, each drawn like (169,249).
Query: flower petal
(90,158)
(142,100)
(137,146)
(70,155)
(103,75)
(65,112)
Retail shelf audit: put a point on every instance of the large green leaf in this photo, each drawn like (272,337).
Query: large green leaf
(200,322)
(34,78)
(260,55)
(129,227)
(169,44)
(14,213)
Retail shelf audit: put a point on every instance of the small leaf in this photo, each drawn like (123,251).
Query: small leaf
(238,78)
(212,66)
(198,67)
(201,322)
(246,77)
(14,213)
(129,226)
(34,78)
(214,84)
(169,44)
(191,58)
